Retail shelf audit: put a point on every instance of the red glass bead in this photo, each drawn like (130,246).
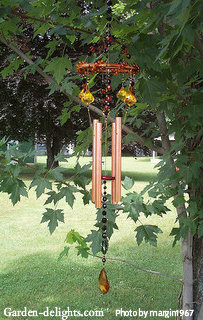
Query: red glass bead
(109,98)
(106,107)
(109,87)
(85,86)
(108,38)
(92,49)
(103,100)
(125,51)
(103,91)
(105,46)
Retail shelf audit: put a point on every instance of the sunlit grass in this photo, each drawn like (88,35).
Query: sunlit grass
(32,277)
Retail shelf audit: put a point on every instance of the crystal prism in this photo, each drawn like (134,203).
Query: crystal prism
(121,94)
(87,97)
(103,282)
(130,99)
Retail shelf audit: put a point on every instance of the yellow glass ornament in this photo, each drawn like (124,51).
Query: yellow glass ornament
(122,94)
(81,94)
(130,99)
(87,97)
(103,282)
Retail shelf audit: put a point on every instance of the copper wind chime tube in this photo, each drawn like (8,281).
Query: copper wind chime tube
(97,162)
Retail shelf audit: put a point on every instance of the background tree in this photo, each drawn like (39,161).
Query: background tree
(165,40)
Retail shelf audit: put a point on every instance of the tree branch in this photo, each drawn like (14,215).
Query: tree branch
(50,79)
(140,268)
(25,16)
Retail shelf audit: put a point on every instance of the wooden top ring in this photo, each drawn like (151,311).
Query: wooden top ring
(103,67)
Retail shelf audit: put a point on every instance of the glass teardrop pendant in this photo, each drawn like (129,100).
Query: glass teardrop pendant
(103,282)
(87,97)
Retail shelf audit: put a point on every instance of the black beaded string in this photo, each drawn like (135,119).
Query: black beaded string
(104,222)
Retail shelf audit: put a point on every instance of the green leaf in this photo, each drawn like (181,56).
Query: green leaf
(128,183)
(53,216)
(81,181)
(63,253)
(64,116)
(57,173)
(70,198)
(151,90)
(73,236)
(42,184)
(84,252)
(13,66)
(68,86)
(147,233)
(96,238)
(53,197)
(14,187)
(52,47)
(53,87)
(61,157)
(58,67)
(200,229)
(86,196)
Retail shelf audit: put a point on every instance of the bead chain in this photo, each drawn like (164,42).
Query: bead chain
(104,247)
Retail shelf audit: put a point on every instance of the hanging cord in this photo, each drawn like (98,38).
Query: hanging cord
(125,116)
(89,116)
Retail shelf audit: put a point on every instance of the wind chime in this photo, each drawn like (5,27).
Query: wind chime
(107,69)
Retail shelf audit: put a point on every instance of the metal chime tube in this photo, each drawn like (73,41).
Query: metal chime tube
(113,164)
(94,158)
(118,130)
(98,165)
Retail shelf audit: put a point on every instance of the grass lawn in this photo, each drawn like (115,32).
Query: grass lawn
(31,276)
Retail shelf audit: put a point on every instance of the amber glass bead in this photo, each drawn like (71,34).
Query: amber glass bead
(103,282)
(131,89)
(87,97)
(121,94)
(85,85)
(103,100)
(130,99)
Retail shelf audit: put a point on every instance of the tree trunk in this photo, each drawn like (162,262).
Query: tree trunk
(197,253)
(53,148)
(186,249)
